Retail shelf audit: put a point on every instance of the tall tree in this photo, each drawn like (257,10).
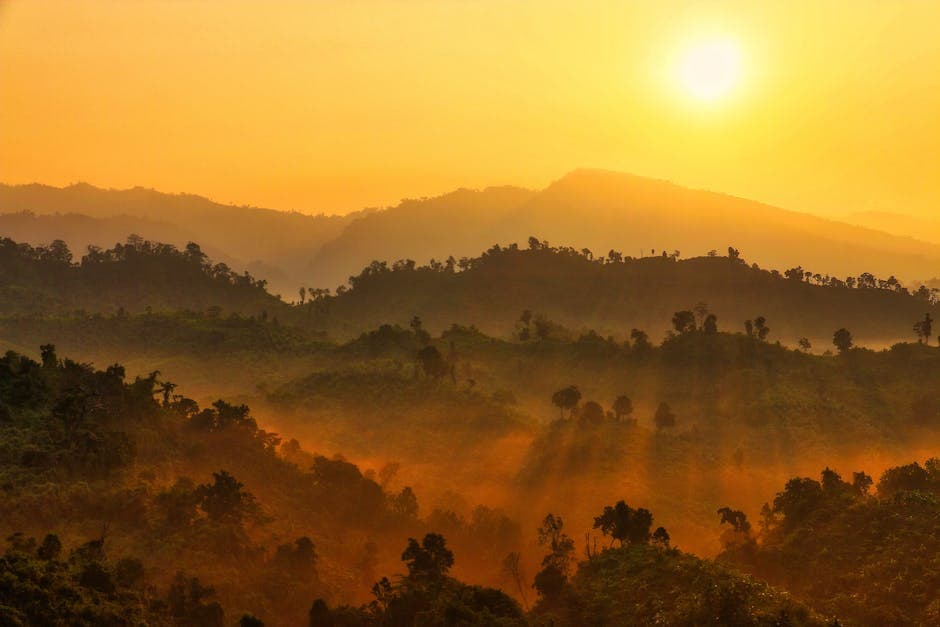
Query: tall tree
(842,339)
(567,398)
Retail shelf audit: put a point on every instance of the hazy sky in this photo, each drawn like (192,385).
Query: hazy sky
(338,105)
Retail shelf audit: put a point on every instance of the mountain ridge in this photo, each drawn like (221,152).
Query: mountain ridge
(598,209)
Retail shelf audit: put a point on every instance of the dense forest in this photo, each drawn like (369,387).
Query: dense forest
(535,436)
(564,287)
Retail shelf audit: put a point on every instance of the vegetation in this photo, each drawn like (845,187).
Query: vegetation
(418,461)
(845,550)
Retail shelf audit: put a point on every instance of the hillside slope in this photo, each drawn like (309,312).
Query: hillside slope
(276,245)
(604,210)
(614,296)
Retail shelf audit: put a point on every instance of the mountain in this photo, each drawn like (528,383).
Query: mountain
(462,222)
(596,209)
(604,210)
(924,229)
(275,245)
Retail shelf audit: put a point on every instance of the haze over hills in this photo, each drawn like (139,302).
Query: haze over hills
(604,210)
(273,244)
(599,210)
(923,229)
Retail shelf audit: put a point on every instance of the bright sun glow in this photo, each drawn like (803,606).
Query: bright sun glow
(709,70)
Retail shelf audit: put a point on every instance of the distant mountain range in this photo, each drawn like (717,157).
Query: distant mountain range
(598,209)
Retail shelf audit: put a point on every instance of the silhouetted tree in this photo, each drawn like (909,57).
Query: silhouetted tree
(433,363)
(641,341)
(623,406)
(805,344)
(761,328)
(661,537)
(924,329)
(429,560)
(861,483)
(224,500)
(591,414)
(525,332)
(683,321)
(552,579)
(405,503)
(625,524)
(736,518)
(710,325)
(567,398)
(664,417)
(842,339)
(512,567)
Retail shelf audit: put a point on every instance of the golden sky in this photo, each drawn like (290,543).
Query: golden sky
(333,106)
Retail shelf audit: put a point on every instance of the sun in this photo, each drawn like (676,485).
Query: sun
(709,70)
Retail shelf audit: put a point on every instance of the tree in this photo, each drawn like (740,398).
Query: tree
(406,503)
(428,561)
(664,418)
(49,358)
(661,537)
(761,328)
(641,341)
(861,483)
(683,321)
(924,329)
(623,406)
(701,311)
(303,294)
(418,327)
(543,328)
(805,345)
(224,500)
(432,362)
(525,332)
(625,524)
(710,325)
(512,568)
(842,339)
(551,580)
(591,414)
(567,398)
(798,499)
(188,603)
(736,518)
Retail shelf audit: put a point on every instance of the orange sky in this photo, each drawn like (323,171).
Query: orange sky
(334,106)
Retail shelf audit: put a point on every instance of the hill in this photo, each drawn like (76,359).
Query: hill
(871,559)
(637,216)
(134,277)
(275,245)
(599,210)
(614,294)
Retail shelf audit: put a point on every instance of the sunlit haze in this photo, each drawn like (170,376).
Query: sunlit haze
(334,106)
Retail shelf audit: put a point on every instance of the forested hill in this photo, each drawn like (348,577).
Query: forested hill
(602,210)
(614,294)
(133,277)
(276,245)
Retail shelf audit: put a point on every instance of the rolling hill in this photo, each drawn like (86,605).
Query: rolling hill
(599,210)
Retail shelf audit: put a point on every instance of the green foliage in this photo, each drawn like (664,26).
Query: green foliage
(137,276)
(625,524)
(845,552)
(644,584)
